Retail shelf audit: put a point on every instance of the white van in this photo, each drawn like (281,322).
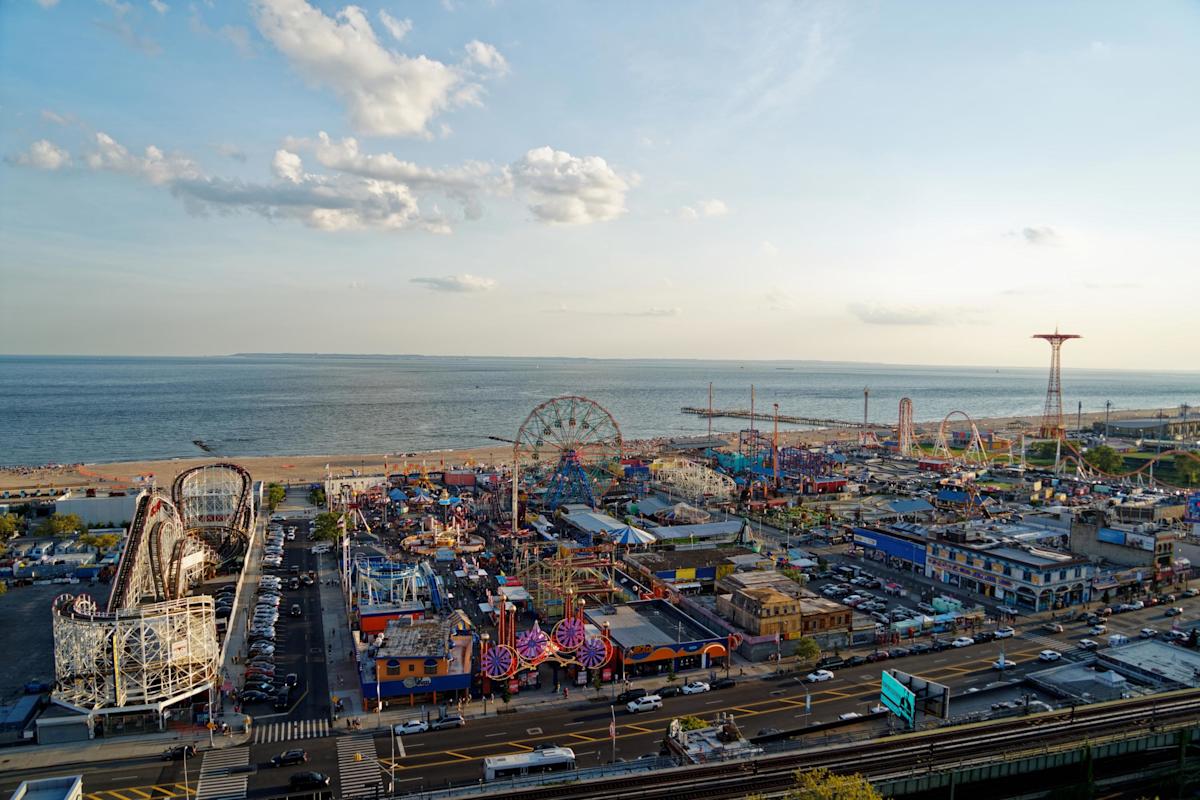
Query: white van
(1117,639)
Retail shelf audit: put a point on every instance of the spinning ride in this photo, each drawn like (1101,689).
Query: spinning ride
(566,645)
(569,449)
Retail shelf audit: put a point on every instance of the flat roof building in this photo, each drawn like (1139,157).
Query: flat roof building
(652,636)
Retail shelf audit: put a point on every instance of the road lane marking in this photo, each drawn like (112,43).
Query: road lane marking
(457,755)
(569,724)
(712,702)
(583,738)
(139,793)
(493,735)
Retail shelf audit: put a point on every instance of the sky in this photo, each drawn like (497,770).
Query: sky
(923,182)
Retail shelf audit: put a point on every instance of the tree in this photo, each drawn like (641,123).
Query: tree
(1043,450)
(692,723)
(327,528)
(1104,458)
(61,525)
(316,496)
(597,681)
(1187,468)
(275,495)
(10,526)
(821,784)
(807,649)
(100,541)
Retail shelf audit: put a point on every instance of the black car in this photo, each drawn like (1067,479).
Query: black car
(919,649)
(630,694)
(669,691)
(179,751)
(897,652)
(855,661)
(984,636)
(291,679)
(309,780)
(266,687)
(289,757)
(831,662)
(723,683)
(254,697)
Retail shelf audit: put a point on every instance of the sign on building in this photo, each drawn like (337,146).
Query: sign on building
(932,699)
(1191,511)
(898,698)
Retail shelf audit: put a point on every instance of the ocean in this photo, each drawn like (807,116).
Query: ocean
(72,409)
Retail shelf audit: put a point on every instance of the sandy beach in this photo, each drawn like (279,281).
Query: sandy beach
(307,468)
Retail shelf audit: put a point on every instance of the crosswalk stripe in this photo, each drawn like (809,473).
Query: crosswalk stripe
(215,780)
(359,777)
(288,731)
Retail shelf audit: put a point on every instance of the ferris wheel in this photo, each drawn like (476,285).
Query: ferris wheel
(568,447)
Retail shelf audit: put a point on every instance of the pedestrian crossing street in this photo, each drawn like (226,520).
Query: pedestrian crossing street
(358,764)
(215,780)
(288,731)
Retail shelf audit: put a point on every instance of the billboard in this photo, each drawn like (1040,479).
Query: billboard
(933,697)
(1191,511)
(898,698)
(1111,536)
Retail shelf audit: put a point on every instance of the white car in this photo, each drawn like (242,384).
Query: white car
(1097,630)
(819,676)
(695,687)
(647,703)
(1137,605)
(410,726)
(1148,633)
(849,715)
(1049,655)
(962,641)
(1088,644)
(1005,633)
(1007,663)
(291,535)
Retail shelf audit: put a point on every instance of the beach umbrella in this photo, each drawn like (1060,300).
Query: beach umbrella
(627,534)
(397,495)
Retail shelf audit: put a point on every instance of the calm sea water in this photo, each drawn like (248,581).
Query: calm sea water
(68,409)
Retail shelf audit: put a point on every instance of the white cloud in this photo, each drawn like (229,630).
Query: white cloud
(705,208)
(565,189)
(897,315)
(487,57)
(386,93)
(287,166)
(155,166)
(645,312)
(1044,235)
(768,249)
(457,283)
(463,184)
(57,119)
(47,3)
(43,154)
(159,6)
(239,37)
(398,28)
(123,29)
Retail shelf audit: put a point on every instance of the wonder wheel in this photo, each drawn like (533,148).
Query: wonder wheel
(569,448)
(569,633)
(499,661)
(533,644)
(595,652)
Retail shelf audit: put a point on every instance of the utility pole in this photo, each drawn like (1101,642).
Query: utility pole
(710,409)
(1079,418)
(1107,408)
(866,404)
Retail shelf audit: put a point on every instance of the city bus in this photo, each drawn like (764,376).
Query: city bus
(551,759)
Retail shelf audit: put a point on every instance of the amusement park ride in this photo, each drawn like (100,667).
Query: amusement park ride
(566,645)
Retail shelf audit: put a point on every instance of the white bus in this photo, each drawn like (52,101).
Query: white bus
(552,759)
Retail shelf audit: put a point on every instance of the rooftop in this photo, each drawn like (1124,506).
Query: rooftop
(682,559)
(649,622)
(1153,660)
(413,640)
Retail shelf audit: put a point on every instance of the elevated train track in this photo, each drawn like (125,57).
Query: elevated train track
(887,757)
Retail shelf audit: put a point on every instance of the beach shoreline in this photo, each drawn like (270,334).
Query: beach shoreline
(121,475)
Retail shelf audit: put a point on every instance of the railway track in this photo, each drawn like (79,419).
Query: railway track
(886,757)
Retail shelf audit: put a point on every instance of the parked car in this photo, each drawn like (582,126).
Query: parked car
(1191,592)
(1007,632)
(289,757)
(1049,655)
(695,687)
(1088,644)
(296,611)
(849,715)
(920,648)
(819,676)
(1052,627)
(254,697)
(878,655)
(897,652)
(1098,630)
(410,726)
(1148,633)
(647,703)
(631,694)
(856,661)
(1173,611)
(309,780)
(723,683)
(984,636)
(669,691)
(962,641)
(830,662)
(448,721)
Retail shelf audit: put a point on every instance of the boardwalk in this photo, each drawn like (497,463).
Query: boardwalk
(768,417)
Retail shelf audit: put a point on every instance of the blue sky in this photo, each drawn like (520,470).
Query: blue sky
(916,182)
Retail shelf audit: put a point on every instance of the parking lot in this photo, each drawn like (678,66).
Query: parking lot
(28,637)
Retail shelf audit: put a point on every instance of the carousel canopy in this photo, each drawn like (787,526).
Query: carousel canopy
(628,534)
(397,495)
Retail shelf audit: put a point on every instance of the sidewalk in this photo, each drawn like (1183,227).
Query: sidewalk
(341,665)
(235,647)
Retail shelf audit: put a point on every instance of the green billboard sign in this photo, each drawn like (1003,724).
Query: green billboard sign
(898,698)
